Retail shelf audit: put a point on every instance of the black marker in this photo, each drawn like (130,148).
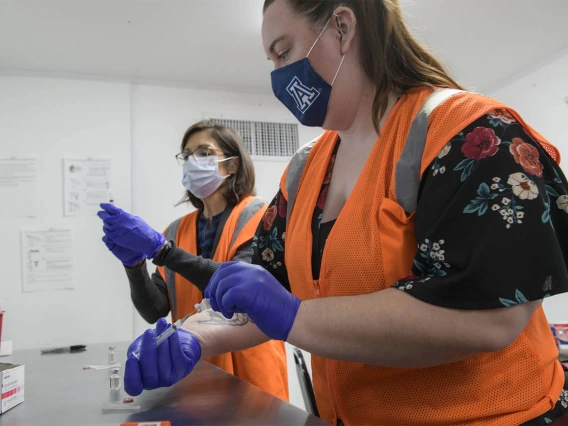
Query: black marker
(64,349)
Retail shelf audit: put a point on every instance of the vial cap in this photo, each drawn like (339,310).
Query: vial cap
(115,370)
(111,348)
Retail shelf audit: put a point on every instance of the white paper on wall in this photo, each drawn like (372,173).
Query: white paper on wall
(47,259)
(18,187)
(86,184)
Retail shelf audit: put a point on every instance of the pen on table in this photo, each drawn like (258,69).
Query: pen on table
(64,349)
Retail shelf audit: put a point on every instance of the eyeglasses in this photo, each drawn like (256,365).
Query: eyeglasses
(202,151)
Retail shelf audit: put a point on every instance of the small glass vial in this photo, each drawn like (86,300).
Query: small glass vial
(115,379)
(111,355)
(114,395)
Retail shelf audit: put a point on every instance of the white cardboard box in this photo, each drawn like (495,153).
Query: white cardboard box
(11,386)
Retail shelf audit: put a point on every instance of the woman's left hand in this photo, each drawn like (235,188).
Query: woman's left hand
(149,366)
(130,231)
(238,287)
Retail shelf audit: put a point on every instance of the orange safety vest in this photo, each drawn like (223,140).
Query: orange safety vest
(264,365)
(372,245)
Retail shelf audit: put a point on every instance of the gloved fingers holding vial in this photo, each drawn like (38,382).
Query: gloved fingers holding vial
(130,231)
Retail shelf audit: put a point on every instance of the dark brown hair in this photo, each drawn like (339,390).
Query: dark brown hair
(239,184)
(392,58)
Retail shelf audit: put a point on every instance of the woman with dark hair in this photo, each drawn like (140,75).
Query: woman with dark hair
(218,175)
(409,247)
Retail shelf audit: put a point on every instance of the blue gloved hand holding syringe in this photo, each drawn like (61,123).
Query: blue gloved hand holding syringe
(163,356)
(127,231)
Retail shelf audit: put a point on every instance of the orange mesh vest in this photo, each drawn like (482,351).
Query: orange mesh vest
(371,246)
(265,365)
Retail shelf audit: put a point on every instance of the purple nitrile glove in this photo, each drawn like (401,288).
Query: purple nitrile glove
(238,287)
(126,256)
(151,367)
(130,231)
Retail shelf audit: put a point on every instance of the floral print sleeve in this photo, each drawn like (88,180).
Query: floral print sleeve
(268,243)
(491,222)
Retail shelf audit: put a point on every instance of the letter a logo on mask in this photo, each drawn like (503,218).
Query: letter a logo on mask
(303,95)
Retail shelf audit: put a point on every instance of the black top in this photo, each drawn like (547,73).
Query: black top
(150,295)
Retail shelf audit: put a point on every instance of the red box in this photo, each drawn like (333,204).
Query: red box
(11,386)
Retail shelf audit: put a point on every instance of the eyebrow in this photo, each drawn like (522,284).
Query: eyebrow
(198,147)
(273,44)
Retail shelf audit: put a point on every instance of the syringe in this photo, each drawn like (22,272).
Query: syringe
(162,337)
(170,330)
(199,307)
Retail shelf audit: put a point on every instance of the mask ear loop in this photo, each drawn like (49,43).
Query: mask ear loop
(230,174)
(337,72)
(320,34)
(338,19)
(227,159)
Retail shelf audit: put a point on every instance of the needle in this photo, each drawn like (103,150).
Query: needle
(111,199)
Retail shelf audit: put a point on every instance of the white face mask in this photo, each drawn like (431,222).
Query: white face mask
(201,175)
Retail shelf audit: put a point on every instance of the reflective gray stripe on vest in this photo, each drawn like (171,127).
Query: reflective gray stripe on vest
(246,215)
(294,173)
(171,234)
(408,166)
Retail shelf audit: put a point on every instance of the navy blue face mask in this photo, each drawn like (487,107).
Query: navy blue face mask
(302,90)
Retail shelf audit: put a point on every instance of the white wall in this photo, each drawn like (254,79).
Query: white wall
(539,98)
(51,119)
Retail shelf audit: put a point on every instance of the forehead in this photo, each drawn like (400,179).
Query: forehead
(198,139)
(279,20)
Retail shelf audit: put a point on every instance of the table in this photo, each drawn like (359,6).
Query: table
(59,392)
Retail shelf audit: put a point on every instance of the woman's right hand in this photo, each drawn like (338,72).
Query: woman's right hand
(128,257)
(130,231)
(151,367)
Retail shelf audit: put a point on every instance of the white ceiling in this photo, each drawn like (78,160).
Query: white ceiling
(216,43)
